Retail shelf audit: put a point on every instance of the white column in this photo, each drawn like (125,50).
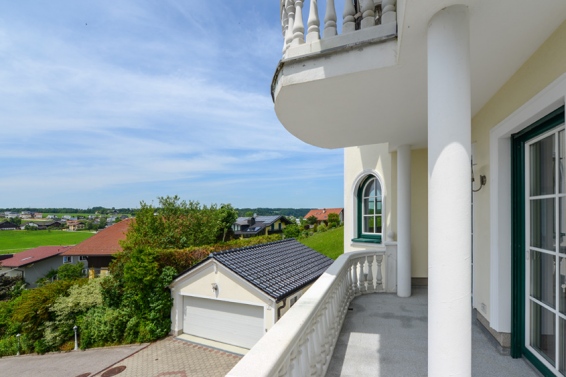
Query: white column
(449,217)
(404,221)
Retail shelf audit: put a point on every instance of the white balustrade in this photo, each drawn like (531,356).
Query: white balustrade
(365,16)
(301,343)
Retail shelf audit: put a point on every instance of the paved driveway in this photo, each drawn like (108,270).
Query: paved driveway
(66,364)
(175,358)
(168,357)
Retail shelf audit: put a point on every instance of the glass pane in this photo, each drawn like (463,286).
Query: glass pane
(542,166)
(378,206)
(542,277)
(378,224)
(562,285)
(369,206)
(543,332)
(542,224)
(369,190)
(368,224)
(561,161)
(562,225)
(562,346)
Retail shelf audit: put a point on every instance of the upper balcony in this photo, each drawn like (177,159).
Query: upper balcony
(367,83)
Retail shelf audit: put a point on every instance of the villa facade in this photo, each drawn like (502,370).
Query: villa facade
(451,116)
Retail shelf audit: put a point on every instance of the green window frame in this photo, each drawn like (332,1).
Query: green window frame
(369,211)
(518,236)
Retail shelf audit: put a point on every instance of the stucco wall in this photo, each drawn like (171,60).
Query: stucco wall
(419,213)
(358,162)
(541,69)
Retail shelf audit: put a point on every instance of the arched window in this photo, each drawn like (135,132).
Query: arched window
(370,211)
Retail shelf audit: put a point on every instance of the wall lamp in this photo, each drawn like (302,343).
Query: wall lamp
(483,180)
(214,287)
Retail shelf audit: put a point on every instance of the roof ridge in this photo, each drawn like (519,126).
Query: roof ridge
(229,251)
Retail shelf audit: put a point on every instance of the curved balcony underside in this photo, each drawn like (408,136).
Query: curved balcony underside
(368,91)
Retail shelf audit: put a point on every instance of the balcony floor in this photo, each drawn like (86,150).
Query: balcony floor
(385,335)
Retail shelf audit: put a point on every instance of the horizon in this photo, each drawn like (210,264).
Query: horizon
(110,104)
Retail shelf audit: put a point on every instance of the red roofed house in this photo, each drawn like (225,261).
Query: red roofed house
(322,214)
(98,250)
(33,264)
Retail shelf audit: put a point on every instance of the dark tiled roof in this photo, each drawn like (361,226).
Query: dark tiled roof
(277,268)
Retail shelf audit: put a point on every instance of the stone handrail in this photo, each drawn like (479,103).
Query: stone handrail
(301,343)
(365,14)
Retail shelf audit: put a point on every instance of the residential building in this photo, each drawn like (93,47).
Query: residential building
(234,297)
(424,96)
(259,225)
(97,251)
(33,264)
(322,214)
(7,225)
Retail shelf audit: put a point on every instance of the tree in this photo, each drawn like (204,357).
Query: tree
(70,271)
(333,218)
(291,231)
(311,220)
(227,217)
(249,214)
(16,220)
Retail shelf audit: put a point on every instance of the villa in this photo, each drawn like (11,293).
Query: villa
(451,117)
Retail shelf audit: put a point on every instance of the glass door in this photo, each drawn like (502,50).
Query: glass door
(545,254)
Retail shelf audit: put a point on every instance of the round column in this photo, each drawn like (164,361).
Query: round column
(449,213)
(404,221)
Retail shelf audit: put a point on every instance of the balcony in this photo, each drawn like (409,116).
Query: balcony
(350,324)
(359,76)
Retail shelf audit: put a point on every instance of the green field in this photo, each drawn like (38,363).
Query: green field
(329,243)
(13,241)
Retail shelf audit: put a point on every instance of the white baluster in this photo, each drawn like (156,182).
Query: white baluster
(371,285)
(368,14)
(379,275)
(318,346)
(298,26)
(354,268)
(293,362)
(283,371)
(348,21)
(304,355)
(290,5)
(388,11)
(313,23)
(284,27)
(363,276)
(330,19)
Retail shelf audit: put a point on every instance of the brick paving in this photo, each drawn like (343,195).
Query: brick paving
(172,357)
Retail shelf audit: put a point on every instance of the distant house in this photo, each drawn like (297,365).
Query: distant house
(97,251)
(233,297)
(33,264)
(75,225)
(322,214)
(259,225)
(6,225)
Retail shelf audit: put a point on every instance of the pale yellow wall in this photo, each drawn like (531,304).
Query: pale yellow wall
(200,284)
(419,213)
(356,160)
(288,300)
(541,69)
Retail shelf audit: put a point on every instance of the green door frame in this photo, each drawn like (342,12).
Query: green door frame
(518,348)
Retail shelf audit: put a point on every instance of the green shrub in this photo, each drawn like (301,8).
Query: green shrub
(70,271)
(102,326)
(322,228)
(291,231)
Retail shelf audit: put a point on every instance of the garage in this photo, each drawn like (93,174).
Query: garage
(233,297)
(227,322)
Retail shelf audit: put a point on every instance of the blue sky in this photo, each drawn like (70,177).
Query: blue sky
(113,102)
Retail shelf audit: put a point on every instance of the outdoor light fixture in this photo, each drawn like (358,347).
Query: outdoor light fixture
(214,287)
(76,342)
(483,180)
(18,336)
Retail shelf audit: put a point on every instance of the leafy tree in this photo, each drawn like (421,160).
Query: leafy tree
(70,271)
(102,222)
(333,218)
(227,217)
(248,213)
(16,221)
(291,231)
(311,220)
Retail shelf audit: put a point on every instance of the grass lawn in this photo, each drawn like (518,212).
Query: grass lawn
(329,243)
(13,241)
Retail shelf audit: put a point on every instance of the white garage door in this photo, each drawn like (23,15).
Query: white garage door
(227,322)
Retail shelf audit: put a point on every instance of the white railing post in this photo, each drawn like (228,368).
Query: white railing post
(371,284)
(298,26)
(348,21)
(379,274)
(388,11)
(290,5)
(330,19)
(284,26)
(368,14)
(313,23)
